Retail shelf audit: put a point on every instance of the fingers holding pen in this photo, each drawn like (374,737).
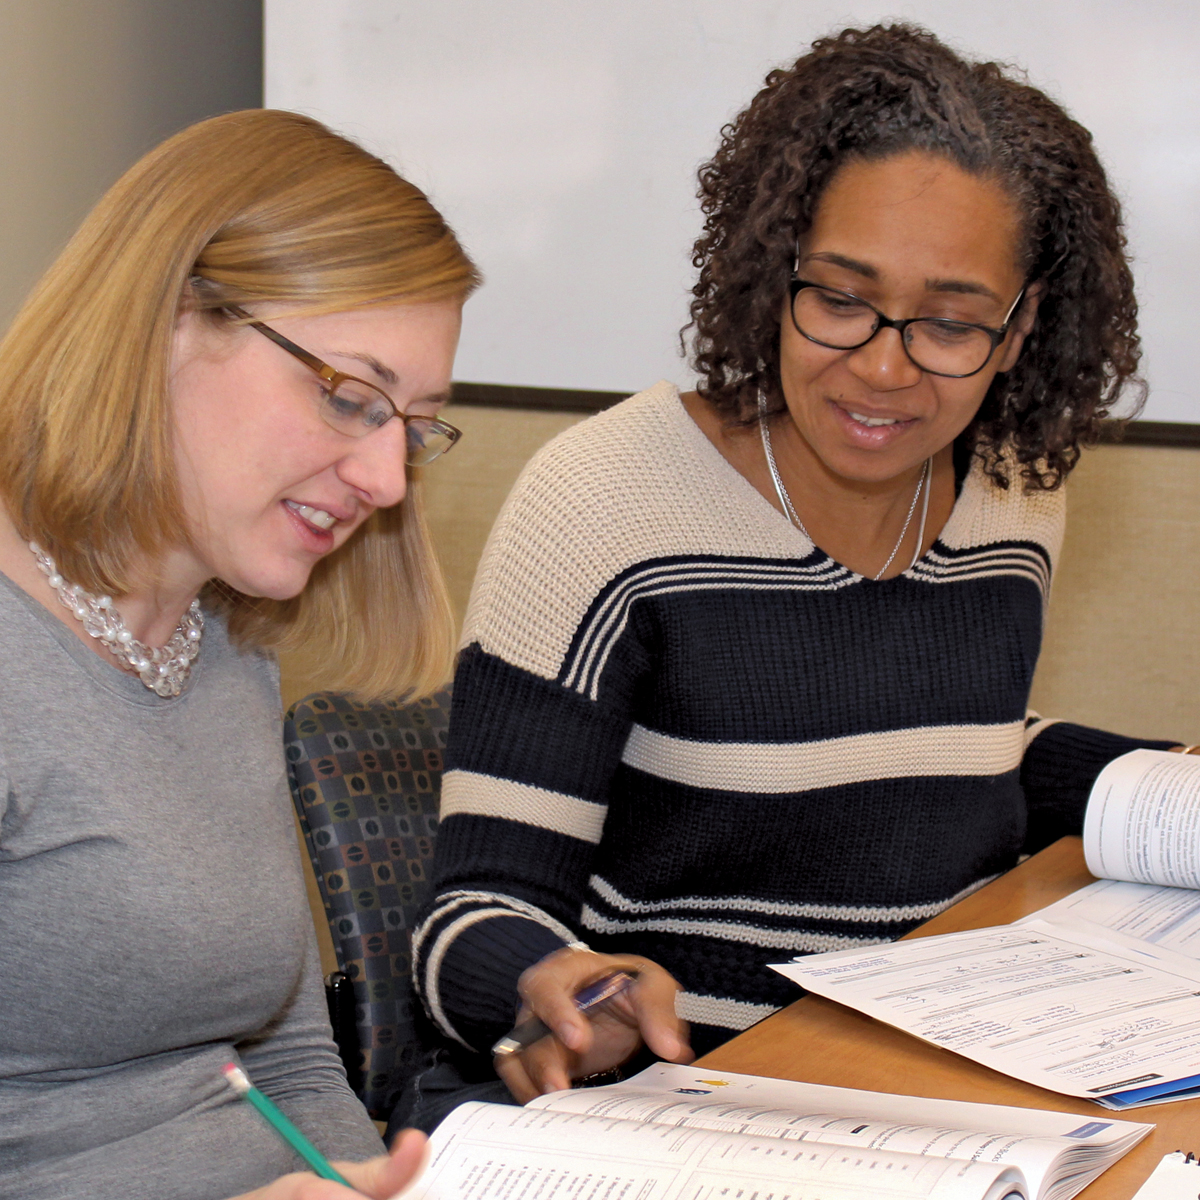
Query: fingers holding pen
(549,990)
(638,1007)
(662,1029)
(546,1066)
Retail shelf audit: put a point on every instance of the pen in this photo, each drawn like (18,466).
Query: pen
(587,998)
(282,1126)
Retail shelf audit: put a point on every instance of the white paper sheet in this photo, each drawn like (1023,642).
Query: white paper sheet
(1078,1010)
(1177,1177)
(1162,916)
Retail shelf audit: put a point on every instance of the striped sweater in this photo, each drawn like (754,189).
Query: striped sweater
(683,731)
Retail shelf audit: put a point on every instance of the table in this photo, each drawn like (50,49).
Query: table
(820,1041)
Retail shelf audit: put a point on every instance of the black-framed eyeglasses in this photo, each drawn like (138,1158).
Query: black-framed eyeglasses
(843,321)
(355,407)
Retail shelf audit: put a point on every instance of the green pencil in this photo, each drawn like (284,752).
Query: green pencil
(282,1126)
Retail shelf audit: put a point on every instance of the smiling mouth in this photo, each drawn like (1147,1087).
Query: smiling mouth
(314,516)
(871,422)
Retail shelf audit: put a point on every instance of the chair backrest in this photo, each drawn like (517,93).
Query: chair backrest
(366,780)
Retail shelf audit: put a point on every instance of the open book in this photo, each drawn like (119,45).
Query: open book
(1095,996)
(698,1135)
(1141,837)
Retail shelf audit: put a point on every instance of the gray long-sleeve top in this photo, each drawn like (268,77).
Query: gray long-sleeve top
(153,926)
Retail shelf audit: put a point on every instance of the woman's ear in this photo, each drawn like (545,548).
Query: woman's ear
(1022,324)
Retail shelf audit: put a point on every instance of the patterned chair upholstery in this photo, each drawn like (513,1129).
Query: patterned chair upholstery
(366,779)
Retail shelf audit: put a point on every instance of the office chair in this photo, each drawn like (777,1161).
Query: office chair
(366,779)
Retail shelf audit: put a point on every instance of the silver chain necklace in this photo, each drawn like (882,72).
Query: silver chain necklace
(163,670)
(788,507)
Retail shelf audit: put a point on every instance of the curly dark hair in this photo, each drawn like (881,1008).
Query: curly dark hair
(867,94)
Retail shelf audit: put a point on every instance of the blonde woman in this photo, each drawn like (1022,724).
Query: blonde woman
(210,408)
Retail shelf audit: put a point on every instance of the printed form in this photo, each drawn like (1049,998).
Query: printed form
(1071,1007)
(1163,916)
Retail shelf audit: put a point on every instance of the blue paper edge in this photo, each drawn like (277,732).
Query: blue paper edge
(1169,1088)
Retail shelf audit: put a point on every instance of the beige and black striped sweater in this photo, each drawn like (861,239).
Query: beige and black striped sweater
(681,730)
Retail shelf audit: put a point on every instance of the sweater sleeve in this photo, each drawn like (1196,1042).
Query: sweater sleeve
(1060,765)
(535,739)
(523,805)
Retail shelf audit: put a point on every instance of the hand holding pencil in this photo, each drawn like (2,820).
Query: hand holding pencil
(382,1178)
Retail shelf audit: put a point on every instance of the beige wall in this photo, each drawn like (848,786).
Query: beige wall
(90,85)
(1122,649)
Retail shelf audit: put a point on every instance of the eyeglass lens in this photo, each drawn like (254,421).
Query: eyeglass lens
(427,440)
(355,409)
(837,320)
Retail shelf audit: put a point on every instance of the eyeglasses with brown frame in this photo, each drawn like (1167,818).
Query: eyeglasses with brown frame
(355,407)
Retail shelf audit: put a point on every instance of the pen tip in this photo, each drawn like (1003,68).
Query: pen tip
(237,1078)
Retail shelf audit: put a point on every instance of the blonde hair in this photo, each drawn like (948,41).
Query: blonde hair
(248,207)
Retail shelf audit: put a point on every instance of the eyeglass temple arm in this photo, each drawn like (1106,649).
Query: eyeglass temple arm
(309,360)
(1008,316)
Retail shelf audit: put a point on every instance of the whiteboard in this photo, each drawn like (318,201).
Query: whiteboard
(561,140)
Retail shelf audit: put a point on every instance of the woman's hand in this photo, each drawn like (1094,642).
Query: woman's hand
(378,1178)
(584,1045)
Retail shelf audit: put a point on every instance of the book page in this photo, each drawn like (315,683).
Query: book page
(1047,1146)
(500,1152)
(1162,916)
(1143,820)
(1082,1011)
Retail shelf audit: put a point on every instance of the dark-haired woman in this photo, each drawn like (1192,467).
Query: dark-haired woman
(746,670)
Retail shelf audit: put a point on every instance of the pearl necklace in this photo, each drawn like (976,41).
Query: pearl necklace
(163,670)
(786,501)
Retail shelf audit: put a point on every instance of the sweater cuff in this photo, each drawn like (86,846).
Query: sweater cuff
(1057,773)
(477,981)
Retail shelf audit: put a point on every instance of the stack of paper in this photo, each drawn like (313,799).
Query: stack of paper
(1097,996)
(1076,1009)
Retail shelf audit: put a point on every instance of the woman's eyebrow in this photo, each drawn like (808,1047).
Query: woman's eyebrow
(963,287)
(369,360)
(840,260)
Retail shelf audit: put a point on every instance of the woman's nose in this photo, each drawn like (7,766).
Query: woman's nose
(375,464)
(882,363)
